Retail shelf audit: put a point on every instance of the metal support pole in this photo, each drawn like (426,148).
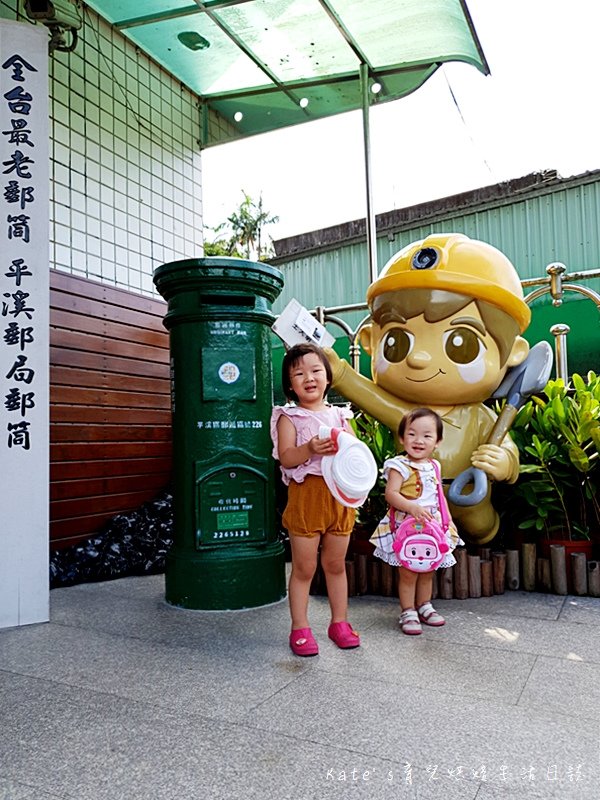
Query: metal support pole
(370,218)
(354,353)
(556,272)
(560,331)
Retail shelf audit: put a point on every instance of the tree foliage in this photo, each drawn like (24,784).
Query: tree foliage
(242,235)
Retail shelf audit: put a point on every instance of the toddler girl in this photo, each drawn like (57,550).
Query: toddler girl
(312,516)
(412,490)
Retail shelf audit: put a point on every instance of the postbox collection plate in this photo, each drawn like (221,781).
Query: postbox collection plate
(230,507)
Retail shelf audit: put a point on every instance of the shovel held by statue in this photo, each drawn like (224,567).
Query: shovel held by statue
(519,384)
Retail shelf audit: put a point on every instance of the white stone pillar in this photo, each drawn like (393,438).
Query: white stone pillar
(24,324)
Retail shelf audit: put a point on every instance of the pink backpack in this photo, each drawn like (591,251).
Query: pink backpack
(421,546)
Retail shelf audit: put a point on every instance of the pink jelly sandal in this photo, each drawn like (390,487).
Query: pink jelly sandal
(343,635)
(303,642)
(409,622)
(429,616)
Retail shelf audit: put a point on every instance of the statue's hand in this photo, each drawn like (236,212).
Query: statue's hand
(493,460)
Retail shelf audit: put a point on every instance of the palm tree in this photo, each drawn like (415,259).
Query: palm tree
(247,224)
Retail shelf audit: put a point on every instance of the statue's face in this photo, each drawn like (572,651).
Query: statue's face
(450,362)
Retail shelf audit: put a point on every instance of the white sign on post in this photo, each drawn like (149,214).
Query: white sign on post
(296,325)
(24,324)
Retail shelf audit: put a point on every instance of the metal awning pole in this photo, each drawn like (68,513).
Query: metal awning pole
(371,229)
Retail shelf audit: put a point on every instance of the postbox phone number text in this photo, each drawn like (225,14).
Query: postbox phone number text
(230,534)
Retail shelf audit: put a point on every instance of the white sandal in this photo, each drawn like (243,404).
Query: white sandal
(429,616)
(409,622)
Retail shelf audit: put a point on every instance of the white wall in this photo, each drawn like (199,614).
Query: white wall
(126,175)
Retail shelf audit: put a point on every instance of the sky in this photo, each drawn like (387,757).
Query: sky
(537,110)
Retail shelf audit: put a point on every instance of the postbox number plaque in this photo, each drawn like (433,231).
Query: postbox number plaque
(230,507)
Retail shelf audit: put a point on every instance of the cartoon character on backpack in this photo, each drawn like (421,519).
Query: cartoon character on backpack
(419,546)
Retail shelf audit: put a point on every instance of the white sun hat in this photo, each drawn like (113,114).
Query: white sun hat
(351,472)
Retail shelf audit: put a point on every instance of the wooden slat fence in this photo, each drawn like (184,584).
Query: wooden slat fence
(110,418)
(479,574)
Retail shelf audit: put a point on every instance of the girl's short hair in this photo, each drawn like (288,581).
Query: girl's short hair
(291,358)
(417,413)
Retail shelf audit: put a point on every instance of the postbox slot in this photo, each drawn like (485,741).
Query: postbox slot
(227,300)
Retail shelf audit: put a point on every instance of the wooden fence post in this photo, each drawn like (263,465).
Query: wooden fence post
(544,576)
(579,573)
(374,576)
(434,585)
(447,583)
(558,566)
(474,569)
(512,569)
(594,578)
(487,581)
(461,574)
(360,571)
(528,551)
(387,579)
(499,571)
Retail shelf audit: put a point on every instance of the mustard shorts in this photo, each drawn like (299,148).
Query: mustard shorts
(312,510)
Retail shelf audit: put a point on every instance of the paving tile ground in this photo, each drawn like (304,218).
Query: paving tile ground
(123,697)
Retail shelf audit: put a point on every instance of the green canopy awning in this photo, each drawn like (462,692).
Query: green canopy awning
(266,64)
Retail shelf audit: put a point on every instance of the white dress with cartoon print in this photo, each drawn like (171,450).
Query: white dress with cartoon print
(383,538)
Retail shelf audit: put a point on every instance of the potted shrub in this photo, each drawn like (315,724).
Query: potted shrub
(558,436)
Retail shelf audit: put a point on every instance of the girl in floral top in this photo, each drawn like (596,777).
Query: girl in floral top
(412,490)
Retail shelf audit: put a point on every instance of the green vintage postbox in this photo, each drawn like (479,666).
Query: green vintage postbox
(226,553)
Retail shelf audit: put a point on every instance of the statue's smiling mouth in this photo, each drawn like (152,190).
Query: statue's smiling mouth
(431,377)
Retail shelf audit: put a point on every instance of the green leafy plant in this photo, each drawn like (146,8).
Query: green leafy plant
(380,441)
(558,437)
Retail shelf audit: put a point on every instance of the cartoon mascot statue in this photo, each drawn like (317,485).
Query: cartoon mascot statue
(447,317)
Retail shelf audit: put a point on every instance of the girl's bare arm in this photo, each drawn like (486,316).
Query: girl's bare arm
(292,455)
